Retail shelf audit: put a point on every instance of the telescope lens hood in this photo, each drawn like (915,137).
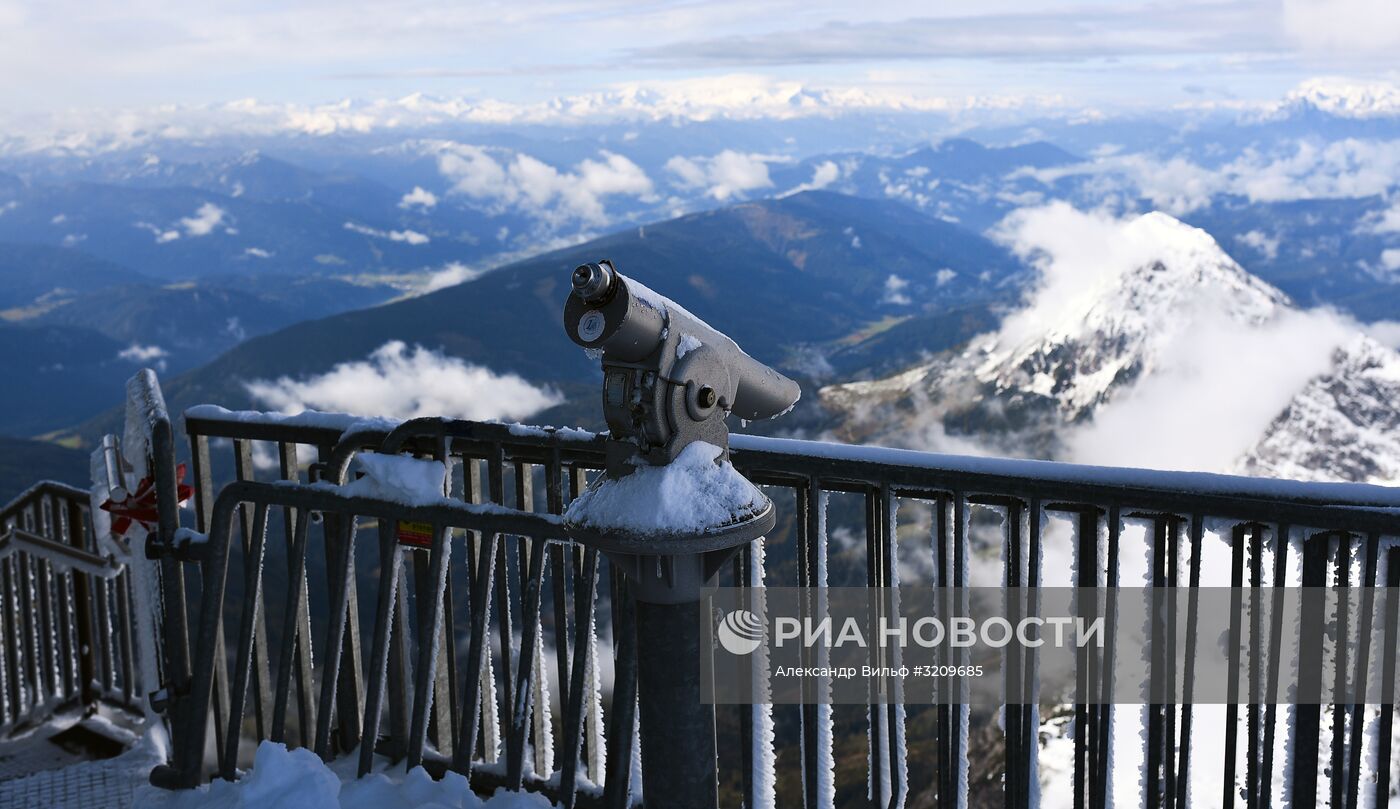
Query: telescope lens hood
(594,282)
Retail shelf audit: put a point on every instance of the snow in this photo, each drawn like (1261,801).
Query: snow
(1343,98)
(546,431)
(826,757)
(399,479)
(307,418)
(1080,474)
(298,779)
(693,493)
(1341,426)
(143,398)
(687,344)
(765,769)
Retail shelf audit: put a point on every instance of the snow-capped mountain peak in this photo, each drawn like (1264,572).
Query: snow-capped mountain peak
(1344,99)
(1115,320)
(1089,327)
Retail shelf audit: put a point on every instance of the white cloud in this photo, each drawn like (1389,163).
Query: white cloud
(1344,168)
(1344,26)
(257,252)
(58,219)
(1383,221)
(894,291)
(402,383)
(162,236)
(1189,414)
(1390,259)
(525,183)
(412,237)
(452,274)
(419,197)
(144,355)
(1385,331)
(724,175)
(8,206)
(205,219)
(139,353)
(1267,246)
(1079,255)
(945,275)
(823,174)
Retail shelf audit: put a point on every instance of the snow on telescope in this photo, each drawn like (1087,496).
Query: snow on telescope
(669,379)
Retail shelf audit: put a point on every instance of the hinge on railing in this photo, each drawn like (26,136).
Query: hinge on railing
(159,700)
(163,698)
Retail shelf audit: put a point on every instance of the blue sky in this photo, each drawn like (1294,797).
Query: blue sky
(71,54)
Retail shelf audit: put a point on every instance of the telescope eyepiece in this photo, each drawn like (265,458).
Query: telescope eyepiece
(593,282)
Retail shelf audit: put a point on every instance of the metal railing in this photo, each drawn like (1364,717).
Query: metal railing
(66,629)
(536,592)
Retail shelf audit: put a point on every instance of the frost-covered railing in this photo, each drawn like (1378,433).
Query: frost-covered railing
(66,637)
(1159,528)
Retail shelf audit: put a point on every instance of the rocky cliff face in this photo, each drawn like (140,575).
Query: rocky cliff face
(1343,425)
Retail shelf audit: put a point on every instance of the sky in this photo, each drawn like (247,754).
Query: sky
(65,55)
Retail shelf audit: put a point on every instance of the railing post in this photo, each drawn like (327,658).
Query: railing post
(82,601)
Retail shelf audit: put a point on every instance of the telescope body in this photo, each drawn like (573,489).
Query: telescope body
(668,378)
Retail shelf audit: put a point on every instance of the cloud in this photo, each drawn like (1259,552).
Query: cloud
(724,175)
(1385,331)
(1189,414)
(1344,26)
(144,355)
(162,236)
(1305,169)
(257,252)
(823,174)
(452,274)
(401,383)
(418,197)
(1052,34)
(1080,254)
(412,237)
(522,182)
(1266,246)
(945,276)
(894,291)
(139,353)
(1386,220)
(205,219)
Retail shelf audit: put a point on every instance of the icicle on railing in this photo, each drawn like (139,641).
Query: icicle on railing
(816,739)
(897,749)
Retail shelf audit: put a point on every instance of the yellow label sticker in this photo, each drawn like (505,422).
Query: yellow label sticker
(417,534)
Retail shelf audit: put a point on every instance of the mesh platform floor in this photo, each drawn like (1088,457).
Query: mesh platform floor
(72,762)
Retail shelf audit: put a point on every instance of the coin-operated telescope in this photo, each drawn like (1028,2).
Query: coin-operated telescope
(668,378)
(670,509)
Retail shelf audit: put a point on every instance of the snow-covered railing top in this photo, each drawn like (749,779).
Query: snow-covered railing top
(854,463)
